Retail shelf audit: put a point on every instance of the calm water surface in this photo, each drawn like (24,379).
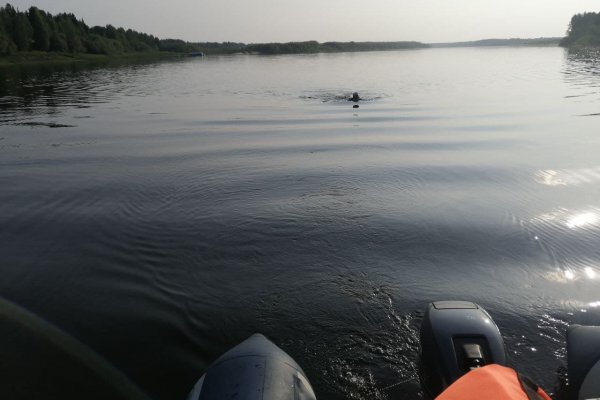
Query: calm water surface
(161,213)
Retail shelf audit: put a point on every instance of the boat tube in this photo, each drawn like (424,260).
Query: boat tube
(255,369)
(38,360)
(583,362)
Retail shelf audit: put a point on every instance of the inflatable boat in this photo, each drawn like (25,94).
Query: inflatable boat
(462,357)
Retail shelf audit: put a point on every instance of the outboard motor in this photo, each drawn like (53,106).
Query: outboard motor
(255,369)
(583,359)
(456,337)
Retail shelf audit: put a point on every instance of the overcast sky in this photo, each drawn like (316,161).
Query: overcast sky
(324,20)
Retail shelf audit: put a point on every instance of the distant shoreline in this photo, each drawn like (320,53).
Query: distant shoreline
(35,36)
(536,42)
(31,57)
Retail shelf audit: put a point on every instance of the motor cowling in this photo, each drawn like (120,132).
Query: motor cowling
(456,337)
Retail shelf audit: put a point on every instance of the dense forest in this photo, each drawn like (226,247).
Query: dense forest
(41,31)
(584,30)
(37,30)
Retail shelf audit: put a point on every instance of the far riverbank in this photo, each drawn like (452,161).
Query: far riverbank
(39,57)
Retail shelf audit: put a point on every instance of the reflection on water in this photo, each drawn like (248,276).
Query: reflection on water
(181,206)
(582,73)
(583,64)
(568,176)
(568,218)
(582,220)
(37,90)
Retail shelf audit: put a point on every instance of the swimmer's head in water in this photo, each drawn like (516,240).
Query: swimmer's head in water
(355,97)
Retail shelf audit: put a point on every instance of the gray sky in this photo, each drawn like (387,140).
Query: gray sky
(323,20)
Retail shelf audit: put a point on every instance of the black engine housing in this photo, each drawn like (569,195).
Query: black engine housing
(456,336)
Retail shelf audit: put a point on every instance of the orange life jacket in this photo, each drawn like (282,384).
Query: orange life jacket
(493,382)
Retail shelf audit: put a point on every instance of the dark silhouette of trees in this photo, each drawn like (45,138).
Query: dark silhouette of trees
(35,29)
(38,30)
(328,47)
(22,32)
(41,30)
(584,30)
(369,46)
(284,48)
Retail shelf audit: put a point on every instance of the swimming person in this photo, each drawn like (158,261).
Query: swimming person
(355,97)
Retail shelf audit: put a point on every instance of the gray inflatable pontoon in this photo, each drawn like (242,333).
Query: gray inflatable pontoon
(256,369)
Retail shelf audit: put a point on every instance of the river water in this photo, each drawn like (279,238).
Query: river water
(163,212)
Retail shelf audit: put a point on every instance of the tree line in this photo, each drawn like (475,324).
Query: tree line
(328,47)
(37,30)
(584,30)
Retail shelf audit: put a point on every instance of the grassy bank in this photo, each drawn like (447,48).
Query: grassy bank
(35,57)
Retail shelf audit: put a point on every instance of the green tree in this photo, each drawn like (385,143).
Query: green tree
(73,32)
(58,42)
(7,46)
(97,44)
(41,31)
(6,20)
(584,30)
(22,33)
